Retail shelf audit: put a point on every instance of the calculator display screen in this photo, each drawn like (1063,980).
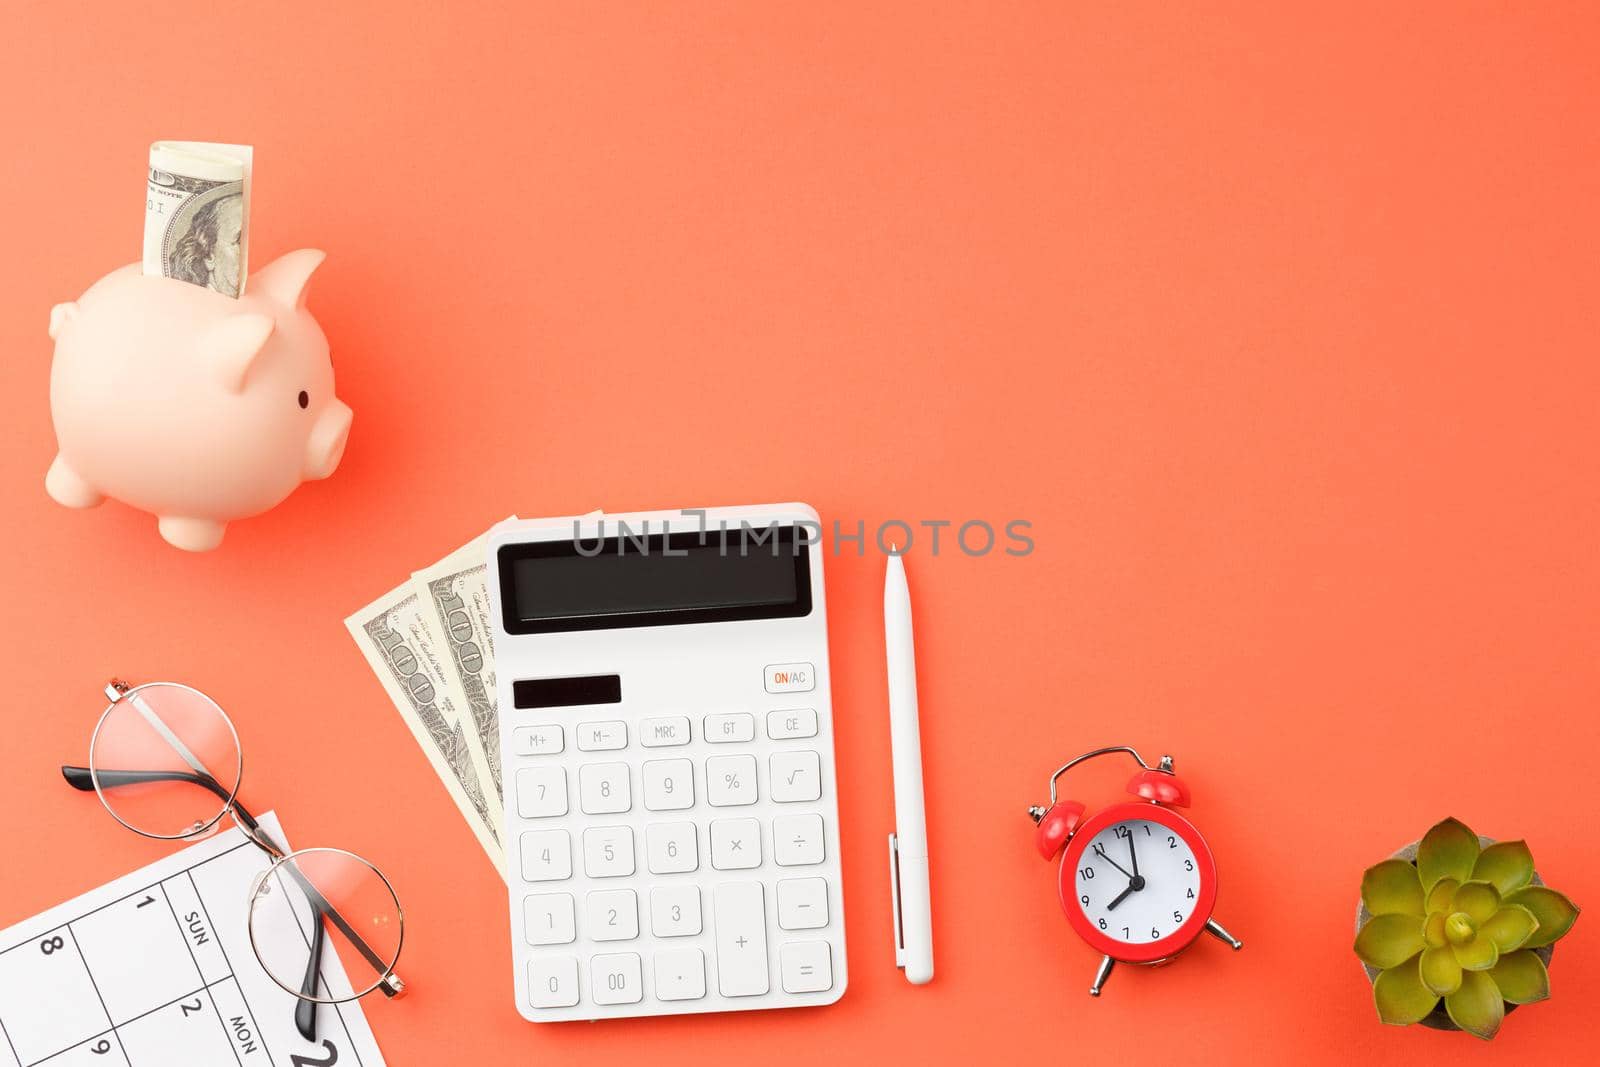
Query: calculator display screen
(655,580)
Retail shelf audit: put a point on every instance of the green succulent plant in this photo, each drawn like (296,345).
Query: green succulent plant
(1460,924)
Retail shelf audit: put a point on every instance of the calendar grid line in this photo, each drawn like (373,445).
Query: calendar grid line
(222,948)
(9,1043)
(200,971)
(89,971)
(111,903)
(112,1030)
(224,1026)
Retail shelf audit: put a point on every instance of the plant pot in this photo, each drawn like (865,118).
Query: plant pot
(1439,1019)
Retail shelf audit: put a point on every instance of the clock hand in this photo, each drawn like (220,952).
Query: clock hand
(1098,851)
(1132,855)
(1120,897)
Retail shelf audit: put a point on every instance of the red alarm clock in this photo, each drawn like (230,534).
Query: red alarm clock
(1137,882)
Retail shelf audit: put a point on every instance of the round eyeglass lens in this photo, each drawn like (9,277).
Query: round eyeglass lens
(165,760)
(325,925)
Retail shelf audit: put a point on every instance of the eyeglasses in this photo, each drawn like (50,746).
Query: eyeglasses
(165,761)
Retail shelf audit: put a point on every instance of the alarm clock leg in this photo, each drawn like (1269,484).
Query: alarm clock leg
(1215,929)
(1101,975)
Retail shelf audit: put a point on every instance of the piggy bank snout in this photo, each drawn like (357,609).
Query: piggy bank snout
(325,446)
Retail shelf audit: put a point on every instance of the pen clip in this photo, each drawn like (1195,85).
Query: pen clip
(894,894)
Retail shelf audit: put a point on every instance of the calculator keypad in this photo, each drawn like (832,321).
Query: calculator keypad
(683,859)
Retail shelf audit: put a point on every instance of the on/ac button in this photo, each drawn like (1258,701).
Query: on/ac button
(791,678)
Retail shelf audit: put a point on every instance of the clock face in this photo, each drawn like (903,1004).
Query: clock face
(1138,881)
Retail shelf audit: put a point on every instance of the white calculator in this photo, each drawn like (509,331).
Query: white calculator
(671,813)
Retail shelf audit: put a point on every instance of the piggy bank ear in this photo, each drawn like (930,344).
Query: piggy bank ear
(60,315)
(230,348)
(287,278)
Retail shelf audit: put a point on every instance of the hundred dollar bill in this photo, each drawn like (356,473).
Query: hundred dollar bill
(402,647)
(197,214)
(457,592)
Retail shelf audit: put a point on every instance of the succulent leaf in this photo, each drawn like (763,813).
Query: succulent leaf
(1433,934)
(1440,971)
(1521,977)
(1479,900)
(1392,888)
(1389,940)
(1440,896)
(1553,910)
(1479,954)
(1510,927)
(1477,1006)
(1506,864)
(1400,995)
(1449,850)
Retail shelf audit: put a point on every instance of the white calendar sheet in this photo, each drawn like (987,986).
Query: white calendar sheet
(155,970)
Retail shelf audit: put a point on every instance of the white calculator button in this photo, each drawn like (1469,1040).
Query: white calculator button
(796,840)
(546,856)
(807,967)
(542,740)
(542,791)
(735,844)
(730,729)
(675,911)
(553,981)
(790,678)
(730,781)
(664,732)
(668,784)
(670,847)
(616,979)
(741,921)
(802,904)
(547,919)
(613,915)
(800,722)
(608,852)
(680,974)
(603,788)
(795,776)
(602,736)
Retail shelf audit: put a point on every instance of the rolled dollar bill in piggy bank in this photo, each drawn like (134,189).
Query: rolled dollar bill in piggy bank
(197,407)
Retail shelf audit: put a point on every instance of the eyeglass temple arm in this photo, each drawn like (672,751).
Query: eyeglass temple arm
(82,779)
(305,1012)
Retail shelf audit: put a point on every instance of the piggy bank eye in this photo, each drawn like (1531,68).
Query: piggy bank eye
(305,401)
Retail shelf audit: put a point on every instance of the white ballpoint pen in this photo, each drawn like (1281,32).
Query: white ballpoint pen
(908,845)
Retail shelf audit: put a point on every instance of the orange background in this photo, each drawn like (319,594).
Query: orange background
(1279,326)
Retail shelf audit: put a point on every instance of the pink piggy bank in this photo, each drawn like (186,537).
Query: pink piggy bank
(194,406)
